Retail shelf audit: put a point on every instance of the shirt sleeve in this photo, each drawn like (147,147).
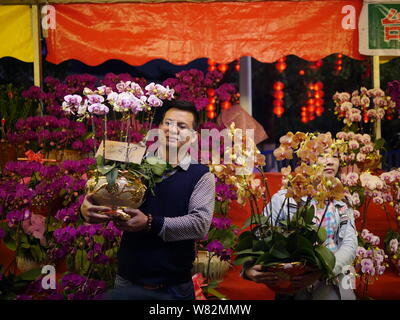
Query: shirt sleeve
(196,223)
(346,253)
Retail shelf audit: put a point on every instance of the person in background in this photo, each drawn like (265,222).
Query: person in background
(342,241)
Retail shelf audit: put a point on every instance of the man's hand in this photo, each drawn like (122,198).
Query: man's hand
(137,222)
(92,213)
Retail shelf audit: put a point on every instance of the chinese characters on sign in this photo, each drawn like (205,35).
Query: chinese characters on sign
(391,25)
(380,29)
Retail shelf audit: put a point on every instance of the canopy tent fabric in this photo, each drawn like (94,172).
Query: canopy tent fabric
(183,31)
(15,34)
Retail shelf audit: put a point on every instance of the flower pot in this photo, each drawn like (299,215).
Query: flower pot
(217,268)
(25,264)
(128,191)
(66,154)
(285,272)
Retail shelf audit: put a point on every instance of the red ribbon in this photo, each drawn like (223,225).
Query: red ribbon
(198,282)
(38,157)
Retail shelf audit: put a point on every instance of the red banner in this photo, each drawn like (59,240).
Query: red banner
(181,32)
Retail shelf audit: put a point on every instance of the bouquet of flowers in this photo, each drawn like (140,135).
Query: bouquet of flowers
(369,263)
(31,195)
(285,248)
(362,106)
(119,183)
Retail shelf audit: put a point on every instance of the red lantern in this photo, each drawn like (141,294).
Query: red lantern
(303,108)
(237,67)
(210,107)
(318,63)
(311,108)
(318,86)
(226,105)
(319,111)
(389,117)
(283,59)
(278,103)
(365,117)
(319,102)
(311,86)
(340,61)
(339,55)
(304,119)
(303,114)
(278,85)
(278,111)
(212,68)
(301,72)
(211,62)
(223,67)
(279,95)
(338,67)
(281,66)
(211,100)
(311,101)
(210,92)
(211,114)
(319,94)
(312,117)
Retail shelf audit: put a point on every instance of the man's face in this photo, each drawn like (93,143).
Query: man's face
(330,164)
(177,126)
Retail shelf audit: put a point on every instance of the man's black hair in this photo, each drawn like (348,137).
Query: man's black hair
(180,105)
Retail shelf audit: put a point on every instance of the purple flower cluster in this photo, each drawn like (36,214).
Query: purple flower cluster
(218,248)
(191,85)
(111,80)
(224,192)
(221,223)
(48,132)
(225,92)
(71,287)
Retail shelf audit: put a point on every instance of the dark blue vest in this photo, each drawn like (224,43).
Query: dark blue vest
(143,256)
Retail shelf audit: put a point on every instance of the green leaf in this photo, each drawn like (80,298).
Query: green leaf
(106,169)
(309,215)
(31,274)
(264,258)
(216,293)
(279,252)
(242,259)
(158,169)
(326,257)
(322,235)
(379,143)
(10,243)
(250,252)
(36,253)
(245,241)
(112,176)
(99,160)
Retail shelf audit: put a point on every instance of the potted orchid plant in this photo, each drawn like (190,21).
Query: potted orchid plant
(121,183)
(287,246)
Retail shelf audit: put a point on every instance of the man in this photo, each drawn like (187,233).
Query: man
(157,247)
